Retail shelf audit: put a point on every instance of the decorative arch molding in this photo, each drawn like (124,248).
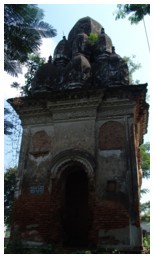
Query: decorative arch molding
(70,157)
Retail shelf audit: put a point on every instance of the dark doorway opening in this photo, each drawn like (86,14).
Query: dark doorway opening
(76,221)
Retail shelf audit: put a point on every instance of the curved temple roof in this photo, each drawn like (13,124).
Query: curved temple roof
(86,59)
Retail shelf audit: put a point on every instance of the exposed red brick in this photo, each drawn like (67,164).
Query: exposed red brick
(111,136)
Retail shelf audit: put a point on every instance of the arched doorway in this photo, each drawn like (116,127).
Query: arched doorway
(75,217)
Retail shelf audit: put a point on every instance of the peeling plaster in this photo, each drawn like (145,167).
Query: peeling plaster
(38,160)
(121,235)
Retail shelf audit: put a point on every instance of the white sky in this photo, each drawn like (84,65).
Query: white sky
(47,44)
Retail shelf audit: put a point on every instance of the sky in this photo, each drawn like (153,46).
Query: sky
(128,39)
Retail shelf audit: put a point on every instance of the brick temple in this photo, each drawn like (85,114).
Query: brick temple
(79,170)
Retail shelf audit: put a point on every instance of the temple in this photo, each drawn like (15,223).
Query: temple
(79,172)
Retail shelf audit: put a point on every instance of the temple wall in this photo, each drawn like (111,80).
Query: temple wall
(39,203)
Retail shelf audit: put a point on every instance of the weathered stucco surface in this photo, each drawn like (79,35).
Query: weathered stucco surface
(79,167)
(50,152)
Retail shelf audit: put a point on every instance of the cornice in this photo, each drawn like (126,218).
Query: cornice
(79,103)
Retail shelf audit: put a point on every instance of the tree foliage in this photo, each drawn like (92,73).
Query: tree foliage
(23,31)
(145,207)
(8,125)
(133,67)
(9,188)
(32,65)
(145,159)
(145,164)
(136,12)
(146,244)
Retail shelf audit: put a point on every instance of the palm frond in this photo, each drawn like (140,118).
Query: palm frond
(12,67)
(45,30)
(23,31)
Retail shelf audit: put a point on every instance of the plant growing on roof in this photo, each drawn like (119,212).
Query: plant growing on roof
(92,39)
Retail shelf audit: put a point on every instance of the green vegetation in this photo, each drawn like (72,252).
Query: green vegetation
(133,67)
(145,159)
(145,207)
(146,244)
(92,39)
(23,30)
(9,189)
(8,125)
(136,12)
(32,65)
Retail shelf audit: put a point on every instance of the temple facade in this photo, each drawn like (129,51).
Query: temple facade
(79,172)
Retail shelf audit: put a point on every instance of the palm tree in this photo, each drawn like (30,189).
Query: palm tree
(23,31)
